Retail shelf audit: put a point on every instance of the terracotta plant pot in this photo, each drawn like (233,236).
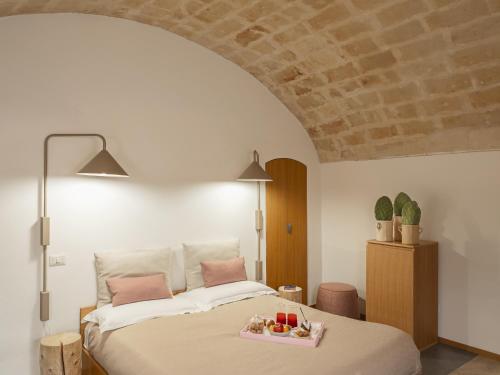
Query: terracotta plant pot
(384,231)
(397,224)
(410,234)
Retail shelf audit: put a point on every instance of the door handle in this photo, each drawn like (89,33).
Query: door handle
(289,228)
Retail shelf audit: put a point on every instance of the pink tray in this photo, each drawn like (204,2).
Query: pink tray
(318,329)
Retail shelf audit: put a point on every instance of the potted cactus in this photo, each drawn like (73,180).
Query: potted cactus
(383,214)
(399,202)
(410,228)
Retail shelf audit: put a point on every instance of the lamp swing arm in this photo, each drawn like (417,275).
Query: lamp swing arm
(45,220)
(255,173)
(45,223)
(46,158)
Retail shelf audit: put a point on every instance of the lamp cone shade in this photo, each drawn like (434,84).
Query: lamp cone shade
(103,164)
(254,173)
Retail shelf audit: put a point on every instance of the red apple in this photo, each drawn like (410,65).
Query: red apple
(278,328)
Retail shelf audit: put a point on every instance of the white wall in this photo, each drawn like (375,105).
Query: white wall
(181,120)
(460,205)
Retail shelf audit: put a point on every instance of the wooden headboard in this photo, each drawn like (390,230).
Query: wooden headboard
(88,309)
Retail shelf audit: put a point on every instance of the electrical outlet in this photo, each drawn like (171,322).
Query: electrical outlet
(57,260)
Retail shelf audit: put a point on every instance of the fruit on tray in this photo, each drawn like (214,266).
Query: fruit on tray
(270,323)
(279,328)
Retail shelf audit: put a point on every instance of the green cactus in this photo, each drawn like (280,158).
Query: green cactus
(383,209)
(399,202)
(411,213)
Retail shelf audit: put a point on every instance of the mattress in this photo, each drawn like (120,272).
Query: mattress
(209,343)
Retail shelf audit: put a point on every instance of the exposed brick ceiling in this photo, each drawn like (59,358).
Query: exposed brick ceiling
(366,78)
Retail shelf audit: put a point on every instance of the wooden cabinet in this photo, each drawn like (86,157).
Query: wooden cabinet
(286,224)
(401,288)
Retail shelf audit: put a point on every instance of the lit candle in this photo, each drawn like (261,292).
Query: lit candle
(281,318)
(292,320)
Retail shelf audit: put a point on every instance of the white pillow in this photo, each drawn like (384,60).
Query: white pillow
(128,264)
(177,273)
(195,253)
(208,298)
(109,318)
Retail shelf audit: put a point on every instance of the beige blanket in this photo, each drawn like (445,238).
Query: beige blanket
(209,343)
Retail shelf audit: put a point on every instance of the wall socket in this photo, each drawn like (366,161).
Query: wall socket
(57,260)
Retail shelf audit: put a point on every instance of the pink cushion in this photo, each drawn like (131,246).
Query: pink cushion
(134,289)
(217,272)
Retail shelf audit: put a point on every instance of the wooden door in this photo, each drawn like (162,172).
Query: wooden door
(286,224)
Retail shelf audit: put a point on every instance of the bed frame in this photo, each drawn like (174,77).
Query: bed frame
(89,365)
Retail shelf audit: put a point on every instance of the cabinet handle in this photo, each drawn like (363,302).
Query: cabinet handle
(289,228)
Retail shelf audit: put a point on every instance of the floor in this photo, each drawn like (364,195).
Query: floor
(479,366)
(443,359)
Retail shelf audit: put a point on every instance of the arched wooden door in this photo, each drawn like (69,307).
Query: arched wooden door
(286,224)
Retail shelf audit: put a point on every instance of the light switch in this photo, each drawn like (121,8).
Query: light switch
(57,260)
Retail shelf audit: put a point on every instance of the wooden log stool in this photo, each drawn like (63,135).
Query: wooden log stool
(294,294)
(339,299)
(61,354)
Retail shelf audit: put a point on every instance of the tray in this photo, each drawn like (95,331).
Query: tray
(318,329)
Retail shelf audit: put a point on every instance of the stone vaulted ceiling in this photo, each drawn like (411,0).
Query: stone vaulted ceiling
(366,78)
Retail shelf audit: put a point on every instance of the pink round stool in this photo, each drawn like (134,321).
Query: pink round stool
(339,299)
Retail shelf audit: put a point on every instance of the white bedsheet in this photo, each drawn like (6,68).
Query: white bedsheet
(109,318)
(197,300)
(208,298)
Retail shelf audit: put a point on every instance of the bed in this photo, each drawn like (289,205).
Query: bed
(197,331)
(209,342)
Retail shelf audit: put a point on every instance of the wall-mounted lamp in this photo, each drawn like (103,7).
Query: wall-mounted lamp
(255,173)
(103,164)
